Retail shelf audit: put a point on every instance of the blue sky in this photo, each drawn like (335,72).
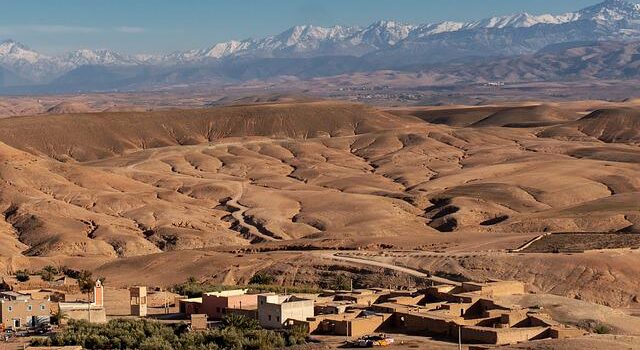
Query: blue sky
(154,26)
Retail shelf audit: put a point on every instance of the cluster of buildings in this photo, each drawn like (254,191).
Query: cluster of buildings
(270,309)
(466,311)
(29,309)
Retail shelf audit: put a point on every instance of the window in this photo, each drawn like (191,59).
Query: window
(29,307)
(10,308)
(269,317)
(42,307)
(278,318)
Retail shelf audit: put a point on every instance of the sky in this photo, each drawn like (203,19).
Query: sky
(161,26)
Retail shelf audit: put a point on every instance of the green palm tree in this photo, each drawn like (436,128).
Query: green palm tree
(240,322)
(86,282)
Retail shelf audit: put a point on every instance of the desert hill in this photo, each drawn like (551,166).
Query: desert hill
(67,107)
(614,125)
(454,116)
(532,116)
(132,190)
(94,136)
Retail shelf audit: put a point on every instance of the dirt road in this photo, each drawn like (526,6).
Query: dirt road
(409,271)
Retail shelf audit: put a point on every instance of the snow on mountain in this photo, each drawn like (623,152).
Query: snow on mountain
(303,39)
(521,20)
(306,40)
(84,57)
(27,63)
(436,28)
(383,34)
(388,41)
(226,49)
(607,12)
(308,36)
(610,11)
(13,52)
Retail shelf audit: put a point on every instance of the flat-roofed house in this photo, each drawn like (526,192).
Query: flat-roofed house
(275,310)
(21,312)
(216,304)
(190,306)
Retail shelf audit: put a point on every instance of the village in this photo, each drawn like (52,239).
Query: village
(457,312)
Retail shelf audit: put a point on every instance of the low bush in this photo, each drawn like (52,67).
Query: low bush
(195,289)
(236,332)
(22,276)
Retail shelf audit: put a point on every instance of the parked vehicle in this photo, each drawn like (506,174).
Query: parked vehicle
(370,341)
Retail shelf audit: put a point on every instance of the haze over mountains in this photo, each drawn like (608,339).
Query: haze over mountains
(311,51)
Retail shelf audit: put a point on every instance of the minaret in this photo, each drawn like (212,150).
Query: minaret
(98,294)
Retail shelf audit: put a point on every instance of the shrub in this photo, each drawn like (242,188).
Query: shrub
(22,276)
(71,273)
(601,329)
(238,333)
(48,273)
(296,335)
(594,326)
(240,322)
(262,278)
(263,340)
(341,282)
(195,289)
(155,343)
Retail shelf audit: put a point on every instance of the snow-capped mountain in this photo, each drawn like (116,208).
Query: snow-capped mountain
(13,52)
(84,57)
(382,34)
(38,67)
(308,40)
(514,34)
(26,62)
(610,11)
(381,45)
(305,41)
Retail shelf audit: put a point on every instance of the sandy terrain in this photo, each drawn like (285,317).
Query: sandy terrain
(279,187)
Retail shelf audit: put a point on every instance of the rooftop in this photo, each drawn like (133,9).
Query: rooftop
(227,293)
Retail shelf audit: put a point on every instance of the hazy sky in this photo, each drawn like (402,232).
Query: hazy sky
(137,26)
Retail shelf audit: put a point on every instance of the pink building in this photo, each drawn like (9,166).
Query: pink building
(216,304)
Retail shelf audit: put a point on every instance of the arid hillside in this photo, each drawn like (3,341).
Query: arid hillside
(92,136)
(130,191)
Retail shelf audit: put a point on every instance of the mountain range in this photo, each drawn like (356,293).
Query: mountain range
(308,50)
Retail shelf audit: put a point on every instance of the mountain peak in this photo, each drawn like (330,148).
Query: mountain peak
(10,43)
(611,10)
(83,57)
(13,51)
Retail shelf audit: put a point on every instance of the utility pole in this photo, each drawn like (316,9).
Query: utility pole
(459,338)
(166,302)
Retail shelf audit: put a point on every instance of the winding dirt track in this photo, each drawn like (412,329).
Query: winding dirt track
(409,271)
